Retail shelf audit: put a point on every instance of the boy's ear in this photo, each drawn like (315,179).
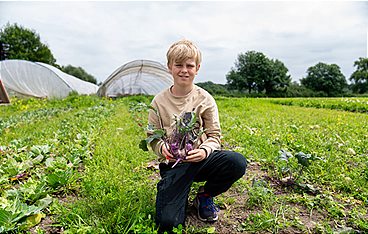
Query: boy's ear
(198,66)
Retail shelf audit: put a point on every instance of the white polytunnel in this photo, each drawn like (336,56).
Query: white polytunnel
(136,77)
(36,79)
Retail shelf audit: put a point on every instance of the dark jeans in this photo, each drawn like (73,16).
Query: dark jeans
(220,170)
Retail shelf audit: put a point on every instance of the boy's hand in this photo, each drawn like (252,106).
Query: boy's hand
(196,155)
(166,153)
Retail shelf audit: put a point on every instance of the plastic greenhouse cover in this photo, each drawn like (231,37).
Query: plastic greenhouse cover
(39,80)
(31,79)
(136,77)
(76,84)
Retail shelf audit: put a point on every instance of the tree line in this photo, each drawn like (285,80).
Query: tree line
(18,42)
(253,74)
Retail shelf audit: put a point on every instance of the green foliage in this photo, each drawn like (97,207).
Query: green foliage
(258,128)
(360,76)
(32,173)
(139,112)
(260,195)
(25,44)
(250,69)
(110,189)
(117,192)
(214,89)
(265,221)
(278,81)
(297,90)
(294,165)
(79,73)
(325,78)
(17,215)
(346,104)
(255,72)
(183,137)
(178,230)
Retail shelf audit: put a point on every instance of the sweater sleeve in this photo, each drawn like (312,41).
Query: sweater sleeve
(211,124)
(155,121)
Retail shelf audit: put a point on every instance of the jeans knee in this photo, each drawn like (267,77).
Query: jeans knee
(239,164)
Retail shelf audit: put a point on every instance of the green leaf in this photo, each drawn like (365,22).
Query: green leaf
(143,145)
(6,218)
(211,230)
(59,178)
(309,188)
(32,221)
(49,162)
(44,202)
(157,134)
(303,158)
(285,155)
(38,159)
(36,150)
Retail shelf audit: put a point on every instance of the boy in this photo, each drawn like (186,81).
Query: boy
(206,162)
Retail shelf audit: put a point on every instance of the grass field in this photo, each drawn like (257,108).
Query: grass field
(74,166)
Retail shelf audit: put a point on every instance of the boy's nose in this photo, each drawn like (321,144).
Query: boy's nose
(184,69)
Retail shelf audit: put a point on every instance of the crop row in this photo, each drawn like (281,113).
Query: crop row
(43,162)
(346,104)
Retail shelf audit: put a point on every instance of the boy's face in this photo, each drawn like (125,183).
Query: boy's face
(184,72)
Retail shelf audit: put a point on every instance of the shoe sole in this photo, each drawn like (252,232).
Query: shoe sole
(195,203)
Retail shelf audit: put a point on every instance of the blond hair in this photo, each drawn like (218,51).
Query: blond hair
(183,50)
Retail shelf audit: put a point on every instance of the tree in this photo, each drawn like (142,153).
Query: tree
(278,80)
(214,89)
(326,78)
(25,44)
(235,81)
(360,76)
(255,72)
(250,69)
(79,72)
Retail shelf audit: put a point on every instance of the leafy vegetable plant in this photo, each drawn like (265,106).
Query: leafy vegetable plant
(182,139)
(303,162)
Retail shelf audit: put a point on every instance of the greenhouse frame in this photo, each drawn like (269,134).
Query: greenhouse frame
(136,77)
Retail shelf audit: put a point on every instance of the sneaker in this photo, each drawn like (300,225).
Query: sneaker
(206,208)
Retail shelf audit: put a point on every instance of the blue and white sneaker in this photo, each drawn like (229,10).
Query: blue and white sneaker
(206,209)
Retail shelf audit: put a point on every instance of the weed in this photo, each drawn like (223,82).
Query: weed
(260,195)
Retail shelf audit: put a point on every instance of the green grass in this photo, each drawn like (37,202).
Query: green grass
(118,196)
(340,138)
(83,153)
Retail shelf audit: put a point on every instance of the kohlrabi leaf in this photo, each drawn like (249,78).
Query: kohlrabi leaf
(285,155)
(143,145)
(303,158)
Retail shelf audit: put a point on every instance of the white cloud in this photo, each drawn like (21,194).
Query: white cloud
(101,36)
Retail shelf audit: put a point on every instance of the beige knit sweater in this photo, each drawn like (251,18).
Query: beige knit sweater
(199,101)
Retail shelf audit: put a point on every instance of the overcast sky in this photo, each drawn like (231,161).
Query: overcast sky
(102,36)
